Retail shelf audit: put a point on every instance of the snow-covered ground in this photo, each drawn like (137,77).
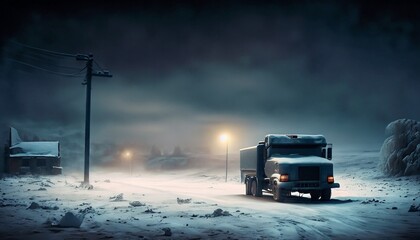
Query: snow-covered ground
(184,205)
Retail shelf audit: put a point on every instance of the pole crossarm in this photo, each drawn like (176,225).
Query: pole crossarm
(102,74)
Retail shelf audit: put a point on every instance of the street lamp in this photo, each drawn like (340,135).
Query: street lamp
(127,155)
(225,138)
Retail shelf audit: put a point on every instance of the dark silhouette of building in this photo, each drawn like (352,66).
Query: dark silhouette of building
(36,157)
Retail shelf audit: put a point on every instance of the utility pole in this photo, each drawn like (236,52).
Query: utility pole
(225,138)
(88,83)
(227,154)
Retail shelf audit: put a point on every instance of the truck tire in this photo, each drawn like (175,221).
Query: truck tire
(247,187)
(326,194)
(254,187)
(315,195)
(277,196)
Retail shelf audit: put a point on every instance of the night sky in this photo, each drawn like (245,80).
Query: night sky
(186,71)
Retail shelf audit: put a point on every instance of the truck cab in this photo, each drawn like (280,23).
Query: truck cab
(286,163)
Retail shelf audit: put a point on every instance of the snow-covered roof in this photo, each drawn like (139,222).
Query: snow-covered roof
(19,148)
(35,149)
(14,137)
(295,139)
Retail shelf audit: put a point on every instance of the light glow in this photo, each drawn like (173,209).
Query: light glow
(127,154)
(224,137)
(284,178)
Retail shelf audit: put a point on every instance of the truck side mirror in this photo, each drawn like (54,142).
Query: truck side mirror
(329,153)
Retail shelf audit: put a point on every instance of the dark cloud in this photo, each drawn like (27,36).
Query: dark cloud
(185,71)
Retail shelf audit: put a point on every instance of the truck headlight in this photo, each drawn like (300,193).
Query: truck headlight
(284,177)
(330,179)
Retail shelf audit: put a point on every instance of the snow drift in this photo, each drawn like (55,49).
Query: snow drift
(400,152)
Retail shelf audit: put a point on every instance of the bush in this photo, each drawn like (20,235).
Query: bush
(400,152)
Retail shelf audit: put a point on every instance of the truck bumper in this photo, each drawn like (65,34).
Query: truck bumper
(306,186)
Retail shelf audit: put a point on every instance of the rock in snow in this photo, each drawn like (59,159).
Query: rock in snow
(167,232)
(87,210)
(413,208)
(400,153)
(117,198)
(34,205)
(183,201)
(70,220)
(136,204)
(219,213)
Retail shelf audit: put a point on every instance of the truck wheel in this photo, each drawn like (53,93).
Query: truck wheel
(247,187)
(326,194)
(315,195)
(254,187)
(277,196)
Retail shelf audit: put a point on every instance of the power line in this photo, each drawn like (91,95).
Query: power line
(78,74)
(97,64)
(40,59)
(45,50)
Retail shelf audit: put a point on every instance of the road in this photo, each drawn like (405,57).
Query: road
(346,216)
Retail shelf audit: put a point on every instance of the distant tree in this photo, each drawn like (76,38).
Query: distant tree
(155,152)
(177,152)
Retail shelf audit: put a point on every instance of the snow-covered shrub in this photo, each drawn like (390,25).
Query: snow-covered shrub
(400,153)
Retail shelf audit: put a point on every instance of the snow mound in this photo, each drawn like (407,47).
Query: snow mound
(85,186)
(400,152)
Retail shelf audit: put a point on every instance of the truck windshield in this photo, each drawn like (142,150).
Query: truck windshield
(304,150)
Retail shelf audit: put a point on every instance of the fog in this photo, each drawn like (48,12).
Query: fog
(186,72)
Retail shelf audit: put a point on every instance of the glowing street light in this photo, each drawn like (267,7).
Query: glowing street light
(127,156)
(225,138)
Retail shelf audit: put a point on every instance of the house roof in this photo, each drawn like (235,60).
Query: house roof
(35,149)
(14,137)
(19,148)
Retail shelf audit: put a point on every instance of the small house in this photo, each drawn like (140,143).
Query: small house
(36,157)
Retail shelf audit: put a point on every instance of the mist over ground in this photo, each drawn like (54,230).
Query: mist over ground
(184,72)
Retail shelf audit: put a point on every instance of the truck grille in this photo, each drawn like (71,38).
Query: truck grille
(308,173)
(306,185)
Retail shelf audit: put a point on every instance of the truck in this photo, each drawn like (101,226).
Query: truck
(286,163)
